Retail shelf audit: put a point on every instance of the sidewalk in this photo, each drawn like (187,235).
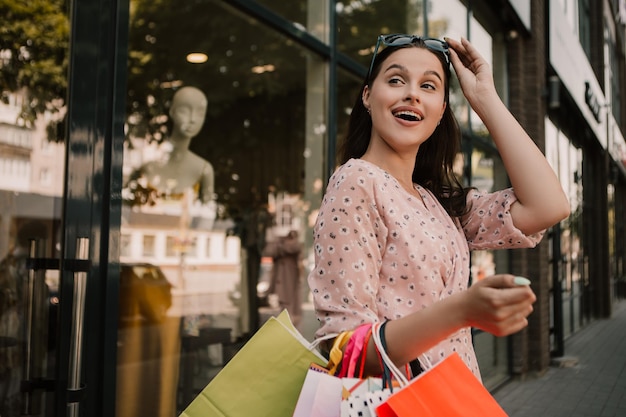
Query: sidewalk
(595,386)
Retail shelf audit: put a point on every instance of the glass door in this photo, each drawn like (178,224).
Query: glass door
(58,133)
(222,172)
(569,279)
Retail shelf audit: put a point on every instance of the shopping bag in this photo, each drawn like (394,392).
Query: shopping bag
(363,402)
(320,395)
(447,389)
(362,399)
(264,378)
(327,393)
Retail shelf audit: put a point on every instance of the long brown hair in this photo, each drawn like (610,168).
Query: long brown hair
(435,158)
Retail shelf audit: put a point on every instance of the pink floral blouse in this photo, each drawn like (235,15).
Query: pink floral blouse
(380,253)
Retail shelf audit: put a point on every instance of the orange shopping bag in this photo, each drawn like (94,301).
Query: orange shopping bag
(447,389)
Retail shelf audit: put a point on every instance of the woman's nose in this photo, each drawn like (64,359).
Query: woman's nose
(412,94)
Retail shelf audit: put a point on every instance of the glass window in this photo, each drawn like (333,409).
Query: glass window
(125,245)
(573,281)
(349,89)
(482,171)
(295,11)
(171,246)
(483,178)
(191,249)
(584,26)
(207,252)
(359,23)
(33,68)
(148,246)
(223,163)
(449,18)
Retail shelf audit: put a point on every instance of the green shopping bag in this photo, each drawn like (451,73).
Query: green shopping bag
(264,378)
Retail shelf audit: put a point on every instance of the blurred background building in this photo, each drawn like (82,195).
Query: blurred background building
(141,295)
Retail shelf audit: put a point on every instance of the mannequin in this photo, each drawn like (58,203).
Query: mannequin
(179,184)
(181,169)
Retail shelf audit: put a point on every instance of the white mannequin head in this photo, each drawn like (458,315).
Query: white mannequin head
(187,112)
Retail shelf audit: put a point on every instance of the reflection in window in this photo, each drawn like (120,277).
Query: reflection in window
(482,171)
(260,122)
(125,244)
(573,279)
(449,18)
(45,177)
(191,249)
(149,242)
(349,86)
(171,247)
(359,23)
(207,250)
(295,11)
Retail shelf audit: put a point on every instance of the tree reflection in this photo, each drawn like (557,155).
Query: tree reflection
(254,127)
(33,59)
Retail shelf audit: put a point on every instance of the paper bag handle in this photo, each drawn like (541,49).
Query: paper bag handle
(381,347)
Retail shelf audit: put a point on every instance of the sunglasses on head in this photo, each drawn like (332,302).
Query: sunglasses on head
(397,39)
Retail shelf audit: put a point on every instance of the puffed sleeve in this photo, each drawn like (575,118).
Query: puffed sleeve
(348,239)
(489,225)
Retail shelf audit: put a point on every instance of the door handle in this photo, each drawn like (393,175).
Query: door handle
(78,318)
(35,323)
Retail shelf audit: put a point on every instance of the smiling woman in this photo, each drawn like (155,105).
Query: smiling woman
(114,159)
(395,227)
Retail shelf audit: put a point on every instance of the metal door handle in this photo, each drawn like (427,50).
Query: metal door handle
(78,318)
(36,319)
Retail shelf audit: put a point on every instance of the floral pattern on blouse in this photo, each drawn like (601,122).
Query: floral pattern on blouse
(381,253)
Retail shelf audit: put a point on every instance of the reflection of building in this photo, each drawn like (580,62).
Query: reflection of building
(157,239)
(29,162)
(287,213)
(199,255)
(31,170)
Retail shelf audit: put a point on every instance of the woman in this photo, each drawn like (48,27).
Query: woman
(394,230)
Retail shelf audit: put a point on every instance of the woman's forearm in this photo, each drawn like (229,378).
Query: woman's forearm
(541,200)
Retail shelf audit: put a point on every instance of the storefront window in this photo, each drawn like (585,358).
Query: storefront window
(488,175)
(572,282)
(360,23)
(348,91)
(295,11)
(449,18)
(483,178)
(33,86)
(224,148)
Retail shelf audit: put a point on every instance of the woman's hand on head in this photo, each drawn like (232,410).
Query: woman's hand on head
(498,305)
(472,70)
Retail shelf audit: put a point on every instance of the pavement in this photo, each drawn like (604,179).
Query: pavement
(589,381)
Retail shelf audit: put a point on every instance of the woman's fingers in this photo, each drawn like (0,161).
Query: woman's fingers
(465,51)
(458,59)
(501,304)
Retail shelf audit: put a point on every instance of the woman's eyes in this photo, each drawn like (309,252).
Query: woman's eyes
(430,85)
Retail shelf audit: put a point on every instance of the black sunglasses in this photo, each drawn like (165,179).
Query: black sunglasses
(398,39)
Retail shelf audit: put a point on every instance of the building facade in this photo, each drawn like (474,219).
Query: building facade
(165,147)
